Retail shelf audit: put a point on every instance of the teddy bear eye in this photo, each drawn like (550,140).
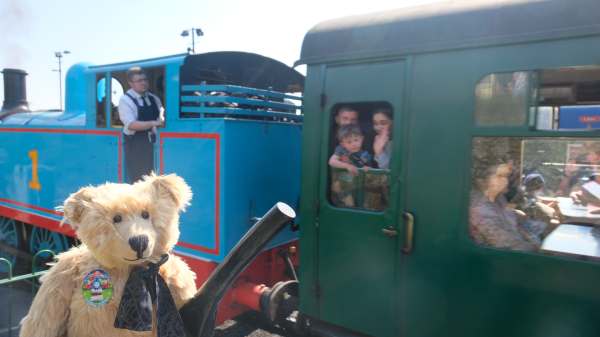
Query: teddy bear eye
(145,214)
(117,218)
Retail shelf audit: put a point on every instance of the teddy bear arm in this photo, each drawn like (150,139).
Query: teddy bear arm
(180,280)
(49,312)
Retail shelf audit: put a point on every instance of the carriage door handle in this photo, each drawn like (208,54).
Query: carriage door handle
(389,232)
(409,220)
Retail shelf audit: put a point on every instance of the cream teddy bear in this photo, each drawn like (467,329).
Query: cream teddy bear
(117,282)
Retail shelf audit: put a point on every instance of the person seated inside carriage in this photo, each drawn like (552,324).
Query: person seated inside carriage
(492,221)
(581,177)
(501,218)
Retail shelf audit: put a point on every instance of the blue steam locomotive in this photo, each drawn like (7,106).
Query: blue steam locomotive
(232,131)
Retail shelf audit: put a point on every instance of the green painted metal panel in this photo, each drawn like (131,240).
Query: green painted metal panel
(451,286)
(356,263)
(309,191)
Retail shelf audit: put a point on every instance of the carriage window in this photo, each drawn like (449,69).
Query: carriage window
(360,150)
(569,99)
(503,99)
(536,194)
(561,99)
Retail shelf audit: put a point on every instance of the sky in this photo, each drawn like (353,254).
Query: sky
(109,31)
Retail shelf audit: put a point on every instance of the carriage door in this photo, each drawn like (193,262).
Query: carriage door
(359,226)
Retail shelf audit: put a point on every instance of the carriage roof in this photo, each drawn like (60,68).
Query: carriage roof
(448,25)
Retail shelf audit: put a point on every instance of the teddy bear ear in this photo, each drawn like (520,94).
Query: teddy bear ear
(171,186)
(75,205)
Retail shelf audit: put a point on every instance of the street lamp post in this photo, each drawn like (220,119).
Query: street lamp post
(59,55)
(192,31)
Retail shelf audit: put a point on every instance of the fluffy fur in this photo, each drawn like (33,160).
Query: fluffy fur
(59,308)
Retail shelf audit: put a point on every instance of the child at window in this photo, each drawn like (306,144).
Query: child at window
(348,155)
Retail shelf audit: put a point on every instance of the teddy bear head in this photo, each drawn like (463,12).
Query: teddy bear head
(123,224)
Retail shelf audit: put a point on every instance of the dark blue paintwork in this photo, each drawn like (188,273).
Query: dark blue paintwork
(579,117)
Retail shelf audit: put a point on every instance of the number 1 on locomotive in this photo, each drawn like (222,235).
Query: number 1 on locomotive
(34,183)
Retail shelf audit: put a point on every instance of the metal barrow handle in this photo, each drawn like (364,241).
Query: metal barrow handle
(199,313)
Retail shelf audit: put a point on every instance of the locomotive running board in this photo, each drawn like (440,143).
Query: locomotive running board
(199,313)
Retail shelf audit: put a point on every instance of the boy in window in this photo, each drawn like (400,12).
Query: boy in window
(349,156)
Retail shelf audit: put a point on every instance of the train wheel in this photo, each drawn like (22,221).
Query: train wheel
(43,239)
(9,236)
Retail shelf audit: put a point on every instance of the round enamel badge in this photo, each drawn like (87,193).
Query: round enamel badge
(96,288)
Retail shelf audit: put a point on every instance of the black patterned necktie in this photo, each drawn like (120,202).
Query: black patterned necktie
(143,97)
(144,288)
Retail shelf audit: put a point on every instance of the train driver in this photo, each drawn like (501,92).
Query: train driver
(141,113)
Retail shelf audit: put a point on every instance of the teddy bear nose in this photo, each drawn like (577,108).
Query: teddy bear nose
(139,243)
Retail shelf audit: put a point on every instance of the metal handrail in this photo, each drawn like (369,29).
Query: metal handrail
(13,279)
(31,275)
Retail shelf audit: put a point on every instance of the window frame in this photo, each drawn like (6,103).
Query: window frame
(366,108)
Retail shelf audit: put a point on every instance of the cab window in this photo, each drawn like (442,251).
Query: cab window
(114,91)
(359,156)
(100,101)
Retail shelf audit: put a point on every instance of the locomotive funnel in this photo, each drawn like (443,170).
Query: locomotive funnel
(199,313)
(15,93)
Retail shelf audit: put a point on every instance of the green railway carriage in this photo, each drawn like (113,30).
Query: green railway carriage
(464,81)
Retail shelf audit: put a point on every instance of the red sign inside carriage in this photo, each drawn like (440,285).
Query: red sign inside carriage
(589,119)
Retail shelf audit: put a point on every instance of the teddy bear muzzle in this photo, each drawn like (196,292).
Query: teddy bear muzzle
(139,243)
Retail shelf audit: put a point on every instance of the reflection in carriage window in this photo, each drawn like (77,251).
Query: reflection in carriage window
(526,192)
(563,99)
(503,99)
(360,149)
